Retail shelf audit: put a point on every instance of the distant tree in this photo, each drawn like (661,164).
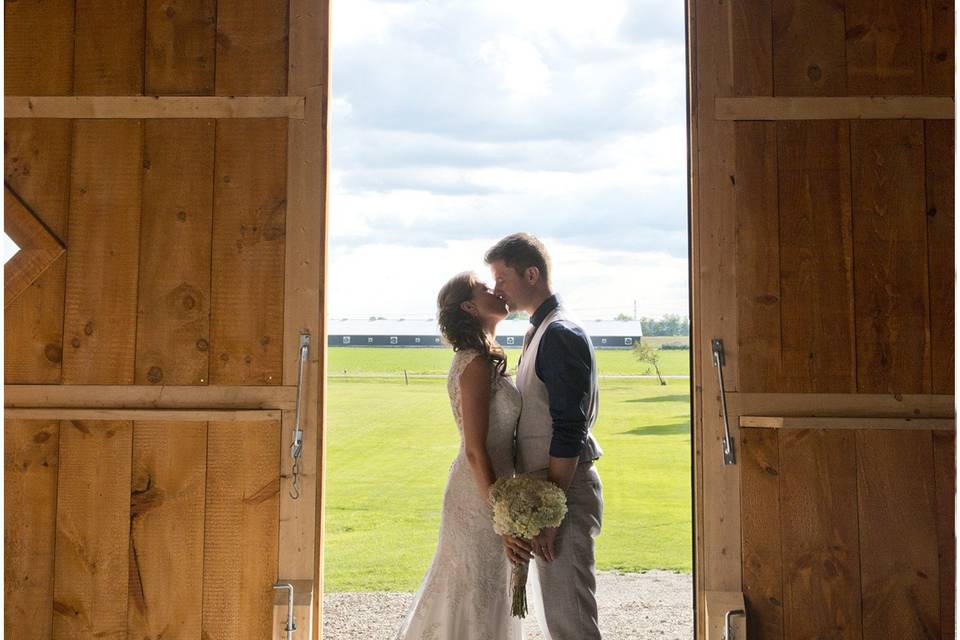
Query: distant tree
(669,325)
(623,317)
(649,354)
(518,315)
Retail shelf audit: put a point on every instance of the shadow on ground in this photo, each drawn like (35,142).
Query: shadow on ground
(685,397)
(680,428)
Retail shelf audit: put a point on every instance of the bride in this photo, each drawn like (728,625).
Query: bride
(465,594)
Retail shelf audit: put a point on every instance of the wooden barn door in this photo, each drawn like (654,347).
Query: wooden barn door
(164,176)
(822,256)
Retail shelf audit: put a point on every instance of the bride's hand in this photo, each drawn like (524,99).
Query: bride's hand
(518,551)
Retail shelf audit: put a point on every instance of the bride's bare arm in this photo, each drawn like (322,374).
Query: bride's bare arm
(475,407)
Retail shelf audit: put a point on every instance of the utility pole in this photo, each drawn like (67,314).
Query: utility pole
(634,309)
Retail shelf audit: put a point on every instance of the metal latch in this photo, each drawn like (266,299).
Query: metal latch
(727,629)
(291,625)
(729,456)
(296,447)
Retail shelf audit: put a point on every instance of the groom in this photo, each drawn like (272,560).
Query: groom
(557,378)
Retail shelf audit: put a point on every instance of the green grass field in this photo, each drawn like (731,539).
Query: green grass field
(345,361)
(390,446)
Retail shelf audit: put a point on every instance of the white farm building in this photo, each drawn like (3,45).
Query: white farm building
(605,334)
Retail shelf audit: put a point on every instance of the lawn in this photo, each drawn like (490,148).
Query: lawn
(347,361)
(390,445)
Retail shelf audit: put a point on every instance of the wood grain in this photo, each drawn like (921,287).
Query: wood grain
(898,535)
(38,47)
(940,150)
(816,267)
(251,35)
(162,397)
(821,547)
(809,57)
(167,529)
(109,47)
(103,253)
(30,463)
(93,530)
(246,316)
(180,47)
(939,27)
(37,167)
(39,248)
(758,257)
(945,477)
(890,249)
(760,525)
(173,302)
(884,53)
(241,529)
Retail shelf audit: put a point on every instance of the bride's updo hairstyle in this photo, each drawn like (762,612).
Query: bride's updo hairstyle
(459,328)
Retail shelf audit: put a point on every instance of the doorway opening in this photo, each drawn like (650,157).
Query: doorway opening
(453,126)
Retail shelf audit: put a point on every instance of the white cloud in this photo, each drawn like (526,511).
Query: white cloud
(455,122)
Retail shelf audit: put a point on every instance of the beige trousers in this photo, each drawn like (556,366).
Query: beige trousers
(563,592)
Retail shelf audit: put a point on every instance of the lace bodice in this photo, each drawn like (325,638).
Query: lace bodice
(504,412)
(466,591)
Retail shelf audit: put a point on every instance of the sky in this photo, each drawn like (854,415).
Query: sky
(455,123)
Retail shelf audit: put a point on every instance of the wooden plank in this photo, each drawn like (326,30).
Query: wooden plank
(109,47)
(842,404)
(809,57)
(246,315)
(715,310)
(39,249)
(103,240)
(818,521)
(945,476)
(939,146)
(898,534)
(883,47)
(93,530)
(760,526)
(173,302)
(717,604)
(180,51)
(241,530)
(835,108)
(166,529)
(37,167)
(29,515)
(305,304)
(175,415)
(137,107)
(160,397)
(756,242)
(38,47)
(890,249)
(806,422)
(816,267)
(251,35)
(939,18)
(758,257)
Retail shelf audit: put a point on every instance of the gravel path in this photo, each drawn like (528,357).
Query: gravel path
(656,605)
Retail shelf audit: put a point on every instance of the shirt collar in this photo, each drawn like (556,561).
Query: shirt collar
(545,307)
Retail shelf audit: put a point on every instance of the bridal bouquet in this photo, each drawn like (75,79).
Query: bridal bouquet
(522,506)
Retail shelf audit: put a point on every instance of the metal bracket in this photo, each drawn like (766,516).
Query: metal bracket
(729,455)
(291,620)
(727,629)
(296,447)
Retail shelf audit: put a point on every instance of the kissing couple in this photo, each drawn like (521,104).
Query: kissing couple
(540,426)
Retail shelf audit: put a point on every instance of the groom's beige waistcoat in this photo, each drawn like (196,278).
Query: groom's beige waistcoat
(535,427)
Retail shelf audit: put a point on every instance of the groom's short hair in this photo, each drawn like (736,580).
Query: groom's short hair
(520,251)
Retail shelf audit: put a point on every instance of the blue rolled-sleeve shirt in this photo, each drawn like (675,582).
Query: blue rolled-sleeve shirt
(564,366)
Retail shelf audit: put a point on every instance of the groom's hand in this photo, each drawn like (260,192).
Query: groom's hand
(518,551)
(544,544)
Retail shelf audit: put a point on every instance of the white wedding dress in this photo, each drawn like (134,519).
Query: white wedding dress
(465,594)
